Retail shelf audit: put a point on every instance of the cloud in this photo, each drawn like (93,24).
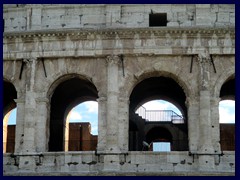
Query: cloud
(155,105)
(91,106)
(161,105)
(94,130)
(227,111)
(74,115)
(86,112)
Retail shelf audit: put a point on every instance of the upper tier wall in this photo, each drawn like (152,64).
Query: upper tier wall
(21,17)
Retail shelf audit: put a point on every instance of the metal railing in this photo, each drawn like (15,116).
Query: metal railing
(160,115)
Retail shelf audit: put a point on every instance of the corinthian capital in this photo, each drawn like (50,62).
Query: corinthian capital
(204,58)
(28,61)
(113,59)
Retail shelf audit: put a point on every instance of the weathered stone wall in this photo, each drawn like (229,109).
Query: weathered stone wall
(115,60)
(133,163)
(44,17)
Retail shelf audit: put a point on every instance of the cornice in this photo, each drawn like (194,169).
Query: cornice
(122,33)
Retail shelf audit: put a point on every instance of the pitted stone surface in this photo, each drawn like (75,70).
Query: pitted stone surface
(113,47)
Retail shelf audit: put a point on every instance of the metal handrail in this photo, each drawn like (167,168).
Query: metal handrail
(160,115)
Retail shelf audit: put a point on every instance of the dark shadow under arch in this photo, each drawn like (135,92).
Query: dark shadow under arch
(227,131)
(9,94)
(153,88)
(158,133)
(67,95)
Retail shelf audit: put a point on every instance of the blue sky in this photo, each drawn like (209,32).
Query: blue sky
(88,112)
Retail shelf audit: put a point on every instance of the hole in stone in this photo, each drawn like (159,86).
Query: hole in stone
(158,19)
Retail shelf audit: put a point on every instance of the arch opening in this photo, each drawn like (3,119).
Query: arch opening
(9,117)
(65,97)
(81,133)
(168,91)
(227,115)
(159,139)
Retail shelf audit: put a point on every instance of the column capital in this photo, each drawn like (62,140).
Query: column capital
(29,61)
(112,59)
(204,58)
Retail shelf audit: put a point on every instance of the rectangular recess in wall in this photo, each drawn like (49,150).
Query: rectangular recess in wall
(157,19)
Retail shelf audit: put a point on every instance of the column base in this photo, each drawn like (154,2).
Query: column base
(27,164)
(111,163)
(206,163)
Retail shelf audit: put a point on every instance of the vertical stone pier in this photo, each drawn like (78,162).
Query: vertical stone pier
(27,163)
(206,161)
(111,161)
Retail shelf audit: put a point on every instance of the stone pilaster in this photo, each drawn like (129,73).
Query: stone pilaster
(112,103)
(204,104)
(30,107)
(42,130)
(5,130)
(205,132)
(206,162)
(19,131)
(193,124)
(27,163)
(102,124)
(123,124)
(215,124)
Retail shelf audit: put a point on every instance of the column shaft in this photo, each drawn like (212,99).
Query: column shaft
(112,103)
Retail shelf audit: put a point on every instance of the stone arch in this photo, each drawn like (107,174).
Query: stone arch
(225,90)
(163,85)
(65,93)
(159,133)
(189,92)
(9,94)
(224,77)
(14,82)
(59,78)
(169,76)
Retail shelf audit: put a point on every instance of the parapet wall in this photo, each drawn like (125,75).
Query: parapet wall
(141,163)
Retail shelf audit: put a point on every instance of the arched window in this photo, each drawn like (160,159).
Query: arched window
(168,112)
(156,111)
(227,115)
(66,96)
(159,139)
(9,119)
(9,141)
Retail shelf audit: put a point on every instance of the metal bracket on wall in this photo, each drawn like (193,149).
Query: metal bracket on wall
(121,57)
(44,69)
(191,64)
(199,154)
(21,70)
(213,63)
